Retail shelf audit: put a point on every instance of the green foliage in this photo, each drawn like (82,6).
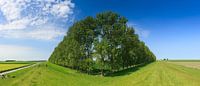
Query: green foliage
(104,40)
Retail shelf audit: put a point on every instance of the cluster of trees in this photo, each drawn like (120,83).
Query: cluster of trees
(104,43)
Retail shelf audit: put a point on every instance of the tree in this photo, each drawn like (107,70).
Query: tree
(106,41)
(101,54)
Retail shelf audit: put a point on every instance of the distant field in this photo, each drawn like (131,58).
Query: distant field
(19,62)
(184,60)
(4,66)
(194,64)
(155,74)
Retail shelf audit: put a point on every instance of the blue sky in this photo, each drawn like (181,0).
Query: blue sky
(33,28)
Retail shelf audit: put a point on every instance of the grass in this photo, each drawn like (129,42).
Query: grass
(155,74)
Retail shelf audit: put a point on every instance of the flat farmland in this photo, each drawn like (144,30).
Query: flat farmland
(4,66)
(188,64)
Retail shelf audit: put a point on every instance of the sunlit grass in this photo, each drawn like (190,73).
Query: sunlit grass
(155,74)
(4,67)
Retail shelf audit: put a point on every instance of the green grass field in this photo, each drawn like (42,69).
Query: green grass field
(155,74)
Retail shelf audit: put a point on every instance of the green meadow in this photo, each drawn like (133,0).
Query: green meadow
(155,74)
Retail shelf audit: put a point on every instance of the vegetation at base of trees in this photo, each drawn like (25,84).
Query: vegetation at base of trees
(101,44)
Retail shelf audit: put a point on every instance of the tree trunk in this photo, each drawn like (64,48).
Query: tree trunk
(102,73)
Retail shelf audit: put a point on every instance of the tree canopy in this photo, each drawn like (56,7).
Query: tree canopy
(104,43)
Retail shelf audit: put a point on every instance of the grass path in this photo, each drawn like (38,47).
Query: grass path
(155,74)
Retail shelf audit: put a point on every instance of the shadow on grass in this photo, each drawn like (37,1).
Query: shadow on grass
(125,71)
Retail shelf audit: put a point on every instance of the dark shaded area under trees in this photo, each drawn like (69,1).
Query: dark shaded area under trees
(101,45)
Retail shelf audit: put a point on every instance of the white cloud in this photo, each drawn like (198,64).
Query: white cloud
(144,33)
(48,33)
(10,9)
(40,33)
(62,9)
(13,9)
(17,24)
(20,15)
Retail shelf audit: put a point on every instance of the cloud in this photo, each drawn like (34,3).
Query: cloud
(62,9)
(40,33)
(10,9)
(17,9)
(17,24)
(20,15)
(144,33)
